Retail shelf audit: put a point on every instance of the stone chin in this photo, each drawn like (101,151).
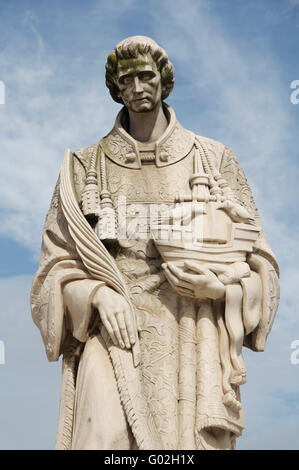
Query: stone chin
(143,105)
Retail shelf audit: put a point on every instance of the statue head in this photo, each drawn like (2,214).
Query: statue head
(143,55)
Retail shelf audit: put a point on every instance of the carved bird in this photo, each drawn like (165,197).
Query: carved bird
(236,212)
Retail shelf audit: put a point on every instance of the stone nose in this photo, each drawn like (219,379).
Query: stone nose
(137,85)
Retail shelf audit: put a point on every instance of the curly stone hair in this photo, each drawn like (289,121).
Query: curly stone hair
(130,48)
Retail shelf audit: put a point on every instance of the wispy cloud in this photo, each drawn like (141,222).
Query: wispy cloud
(42,117)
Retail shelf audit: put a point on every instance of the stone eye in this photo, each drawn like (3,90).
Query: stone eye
(126,80)
(146,76)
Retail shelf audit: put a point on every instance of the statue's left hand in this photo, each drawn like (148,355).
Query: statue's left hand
(202,283)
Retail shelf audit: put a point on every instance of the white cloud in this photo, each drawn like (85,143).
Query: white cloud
(37,123)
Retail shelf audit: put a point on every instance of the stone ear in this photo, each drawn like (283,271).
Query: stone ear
(165,91)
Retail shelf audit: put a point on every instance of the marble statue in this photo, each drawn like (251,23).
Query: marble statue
(154,273)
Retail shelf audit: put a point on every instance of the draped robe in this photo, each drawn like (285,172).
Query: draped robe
(174,398)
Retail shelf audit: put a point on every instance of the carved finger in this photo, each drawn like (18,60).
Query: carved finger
(109,329)
(176,282)
(136,346)
(171,277)
(170,281)
(186,292)
(218,269)
(116,331)
(123,329)
(180,274)
(190,285)
(175,269)
(196,267)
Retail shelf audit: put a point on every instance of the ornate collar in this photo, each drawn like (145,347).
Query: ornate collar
(173,145)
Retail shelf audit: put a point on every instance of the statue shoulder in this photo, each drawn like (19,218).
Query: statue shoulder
(224,157)
(215,148)
(81,164)
(83,155)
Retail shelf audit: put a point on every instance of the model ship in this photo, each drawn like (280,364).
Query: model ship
(206,225)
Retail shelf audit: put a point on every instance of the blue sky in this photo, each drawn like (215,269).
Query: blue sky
(234,62)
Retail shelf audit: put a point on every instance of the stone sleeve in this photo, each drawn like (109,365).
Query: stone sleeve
(262,261)
(60,265)
(78,296)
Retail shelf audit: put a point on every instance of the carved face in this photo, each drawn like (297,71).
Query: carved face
(139,83)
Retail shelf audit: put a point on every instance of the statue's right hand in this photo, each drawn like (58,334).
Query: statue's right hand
(116,316)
